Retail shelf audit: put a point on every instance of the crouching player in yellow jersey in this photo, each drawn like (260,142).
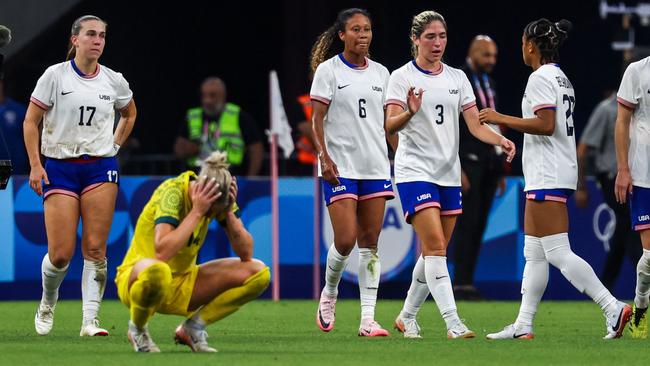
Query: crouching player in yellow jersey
(159,273)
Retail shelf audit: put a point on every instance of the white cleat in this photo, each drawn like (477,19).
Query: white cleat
(459,331)
(616,323)
(512,332)
(408,326)
(197,340)
(141,341)
(92,329)
(326,313)
(44,319)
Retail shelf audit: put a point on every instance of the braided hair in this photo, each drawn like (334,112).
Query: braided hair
(548,37)
(324,47)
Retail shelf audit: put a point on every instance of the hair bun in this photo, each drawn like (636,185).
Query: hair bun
(564,26)
(217,160)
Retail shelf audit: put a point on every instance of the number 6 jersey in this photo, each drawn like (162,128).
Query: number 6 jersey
(79,110)
(354,124)
(550,161)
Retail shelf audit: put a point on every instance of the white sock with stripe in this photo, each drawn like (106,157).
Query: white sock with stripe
(439,283)
(418,291)
(369,274)
(335,265)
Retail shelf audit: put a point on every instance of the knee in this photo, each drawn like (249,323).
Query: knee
(558,255)
(434,247)
(95,251)
(255,265)
(59,260)
(259,281)
(368,239)
(156,277)
(345,244)
(534,252)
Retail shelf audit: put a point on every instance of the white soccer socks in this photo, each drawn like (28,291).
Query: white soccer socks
(335,265)
(418,291)
(643,280)
(51,280)
(577,271)
(439,283)
(533,283)
(93,283)
(369,274)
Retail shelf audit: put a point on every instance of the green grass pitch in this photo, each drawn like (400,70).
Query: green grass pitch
(285,333)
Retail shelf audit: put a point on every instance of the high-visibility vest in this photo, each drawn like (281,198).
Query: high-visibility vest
(306,151)
(224,135)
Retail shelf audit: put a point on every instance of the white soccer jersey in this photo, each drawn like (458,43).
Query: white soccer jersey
(79,110)
(354,124)
(634,93)
(428,144)
(550,161)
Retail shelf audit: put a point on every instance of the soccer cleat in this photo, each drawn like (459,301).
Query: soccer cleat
(511,332)
(370,328)
(460,330)
(142,342)
(408,326)
(639,323)
(44,319)
(92,329)
(616,324)
(197,340)
(326,313)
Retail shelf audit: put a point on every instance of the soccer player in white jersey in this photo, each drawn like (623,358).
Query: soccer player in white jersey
(632,154)
(427,167)
(348,123)
(77,100)
(551,175)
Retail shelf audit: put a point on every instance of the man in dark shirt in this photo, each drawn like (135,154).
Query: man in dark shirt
(482,171)
(12,115)
(219,125)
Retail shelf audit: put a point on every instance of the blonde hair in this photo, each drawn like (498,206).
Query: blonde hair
(216,166)
(420,23)
(76,28)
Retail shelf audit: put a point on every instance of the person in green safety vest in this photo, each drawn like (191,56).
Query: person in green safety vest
(219,125)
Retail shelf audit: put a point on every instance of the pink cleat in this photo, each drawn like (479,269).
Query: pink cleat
(326,313)
(370,328)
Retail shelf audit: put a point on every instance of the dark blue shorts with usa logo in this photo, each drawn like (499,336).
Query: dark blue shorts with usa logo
(417,196)
(357,189)
(74,177)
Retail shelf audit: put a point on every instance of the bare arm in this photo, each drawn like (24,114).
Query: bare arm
(582,151)
(542,124)
(486,134)
(623,183)
(168,240)
(240,239)
(397,117)
(125,124)
(328,168)
(31,124)
(255,158)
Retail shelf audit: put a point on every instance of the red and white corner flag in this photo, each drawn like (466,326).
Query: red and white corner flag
(279,134)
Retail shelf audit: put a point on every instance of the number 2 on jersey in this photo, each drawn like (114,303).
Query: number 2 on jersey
(571,101)
(81,115)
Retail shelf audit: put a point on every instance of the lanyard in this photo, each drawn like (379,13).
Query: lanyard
(485,102)
(206,131)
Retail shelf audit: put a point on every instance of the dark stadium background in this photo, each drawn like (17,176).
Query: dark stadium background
(165,50)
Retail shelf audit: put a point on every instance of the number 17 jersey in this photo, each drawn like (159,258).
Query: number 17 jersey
(550,161)
(79,110)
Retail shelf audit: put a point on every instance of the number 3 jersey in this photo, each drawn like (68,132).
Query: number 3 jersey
(550,161)
(79,110)
(354,124)
(428,144)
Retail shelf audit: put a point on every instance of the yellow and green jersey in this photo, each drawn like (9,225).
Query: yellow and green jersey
(169,204)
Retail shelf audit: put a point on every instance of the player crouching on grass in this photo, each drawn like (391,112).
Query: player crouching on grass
(159,272)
